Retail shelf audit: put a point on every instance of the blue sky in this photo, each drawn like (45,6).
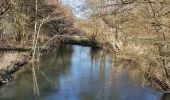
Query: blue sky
(74,4)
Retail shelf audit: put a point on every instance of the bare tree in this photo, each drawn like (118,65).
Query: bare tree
(113,14)
(155,9)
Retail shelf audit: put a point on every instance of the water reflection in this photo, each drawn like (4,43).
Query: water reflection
(79,73)
(166,96)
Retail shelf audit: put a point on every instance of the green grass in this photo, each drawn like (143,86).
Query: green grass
(144,41)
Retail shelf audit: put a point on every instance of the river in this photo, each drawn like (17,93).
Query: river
(77,73)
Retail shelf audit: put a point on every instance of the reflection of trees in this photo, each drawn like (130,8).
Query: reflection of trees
(52,64)
(94,53)
(101,82)
(165,96)
(132,67)
(60,58)
(102,76)
(61,54)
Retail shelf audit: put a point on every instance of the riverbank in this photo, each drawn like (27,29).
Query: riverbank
(143,56)
(10,62)
(147,59)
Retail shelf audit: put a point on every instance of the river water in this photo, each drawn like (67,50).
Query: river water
(77,73)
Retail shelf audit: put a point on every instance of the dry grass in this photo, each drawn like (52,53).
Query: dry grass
(7,59)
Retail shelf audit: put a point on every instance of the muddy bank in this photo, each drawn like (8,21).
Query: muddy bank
(10,62)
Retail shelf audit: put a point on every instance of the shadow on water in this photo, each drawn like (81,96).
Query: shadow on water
(80,73)
(165,96)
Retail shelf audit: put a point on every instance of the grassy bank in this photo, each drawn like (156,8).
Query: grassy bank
(144,41)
